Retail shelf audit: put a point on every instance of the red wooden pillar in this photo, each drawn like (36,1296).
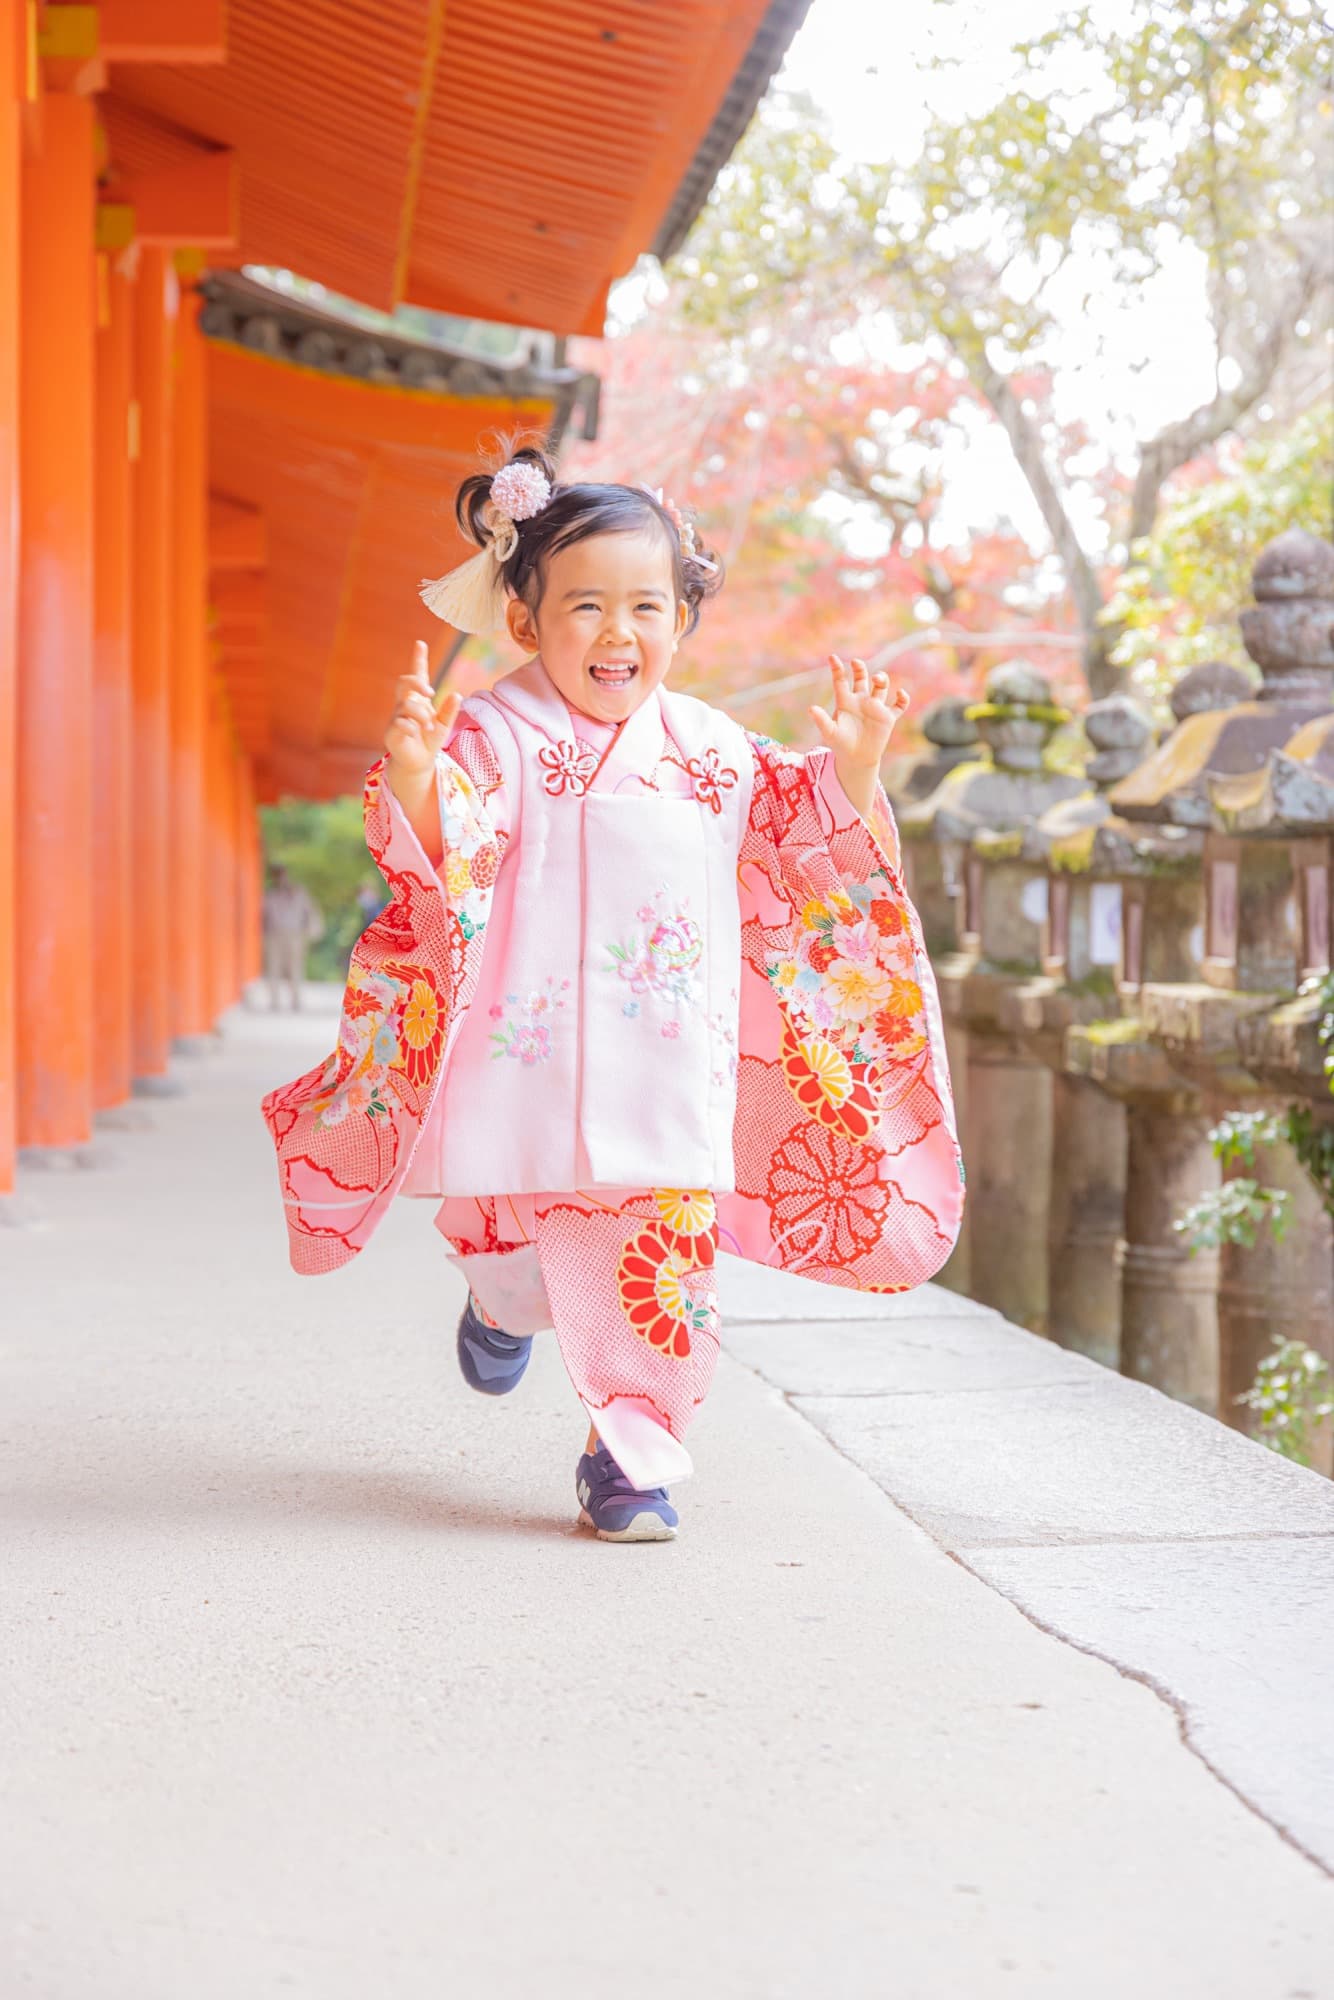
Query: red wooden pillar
(54,899)
(155,308)
(250,886)
(215,861)
(228,850)
(189,913)
(11,85)
(116,439)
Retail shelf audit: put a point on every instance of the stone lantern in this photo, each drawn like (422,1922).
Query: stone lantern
(952,740)
(1168,1324)
(1082,942)
(1080,952)
(1253,937)
(976,818)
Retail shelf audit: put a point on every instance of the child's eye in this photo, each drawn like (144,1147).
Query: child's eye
(649,607)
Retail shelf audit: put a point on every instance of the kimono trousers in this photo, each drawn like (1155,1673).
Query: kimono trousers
(655,999)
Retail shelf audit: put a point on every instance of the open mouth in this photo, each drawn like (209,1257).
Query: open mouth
(613,673)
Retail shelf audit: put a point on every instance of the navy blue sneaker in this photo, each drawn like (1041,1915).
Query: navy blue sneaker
(616,1510)
(492,1360)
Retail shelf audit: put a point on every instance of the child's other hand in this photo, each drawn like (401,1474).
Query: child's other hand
(419,730)
(865,713)
(858,732)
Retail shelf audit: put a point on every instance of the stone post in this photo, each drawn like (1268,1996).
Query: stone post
(934,885)
(1220,778)
(1080,950)
(976,818)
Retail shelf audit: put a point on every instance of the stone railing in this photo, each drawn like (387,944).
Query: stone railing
(1126,960)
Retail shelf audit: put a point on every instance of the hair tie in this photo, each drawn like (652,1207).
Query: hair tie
(472,598)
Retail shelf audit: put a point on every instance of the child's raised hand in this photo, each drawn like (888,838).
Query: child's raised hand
(858,732)
(419,729)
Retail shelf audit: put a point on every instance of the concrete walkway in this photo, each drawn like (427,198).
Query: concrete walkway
(976,1671)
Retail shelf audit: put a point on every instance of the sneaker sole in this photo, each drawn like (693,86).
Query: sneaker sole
(644,1528)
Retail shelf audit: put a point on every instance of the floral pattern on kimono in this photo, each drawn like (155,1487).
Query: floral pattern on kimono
(846,1159)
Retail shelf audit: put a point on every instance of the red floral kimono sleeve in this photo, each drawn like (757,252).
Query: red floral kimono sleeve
(847,1160)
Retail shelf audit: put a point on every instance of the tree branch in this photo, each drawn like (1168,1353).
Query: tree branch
(1176,444)
(1026,443)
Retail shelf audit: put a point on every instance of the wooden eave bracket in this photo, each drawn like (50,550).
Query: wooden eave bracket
(164,31)
(68,48)
(195,202)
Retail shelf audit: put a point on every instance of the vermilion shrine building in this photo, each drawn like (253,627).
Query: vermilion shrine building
(215,503)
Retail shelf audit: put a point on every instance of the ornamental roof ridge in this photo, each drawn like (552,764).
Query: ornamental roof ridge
(247,313)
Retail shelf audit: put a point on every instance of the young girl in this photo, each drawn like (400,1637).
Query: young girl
(647,985)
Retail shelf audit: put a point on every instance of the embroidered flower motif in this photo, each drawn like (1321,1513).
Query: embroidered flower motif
(531,1045)
(671,1030)
(723,1041)
(654,1281)
(821,1079)
(458,875)
(523,1035)
(710,778)
(664,957)
(857,991)
(567,767)
(825,1186)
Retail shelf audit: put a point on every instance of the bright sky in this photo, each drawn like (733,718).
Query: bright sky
(1125,372)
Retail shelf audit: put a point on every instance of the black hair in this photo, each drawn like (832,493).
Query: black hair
(573,514)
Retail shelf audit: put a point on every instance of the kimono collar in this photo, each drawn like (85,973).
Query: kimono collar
(635,750)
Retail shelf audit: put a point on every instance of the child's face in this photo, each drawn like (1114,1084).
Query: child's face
(608,622)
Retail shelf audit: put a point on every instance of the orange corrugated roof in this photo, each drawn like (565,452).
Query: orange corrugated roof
(355,486)
(504,159)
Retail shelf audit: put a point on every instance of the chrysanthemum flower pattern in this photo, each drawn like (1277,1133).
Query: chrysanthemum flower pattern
(823,1081)
(690,1215)
(666,1291)
(823,1184)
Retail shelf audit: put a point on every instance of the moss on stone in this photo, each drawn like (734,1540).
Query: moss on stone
(993,846)
(1099,984)
(1107,1034)
(1072,853)
(1017,711)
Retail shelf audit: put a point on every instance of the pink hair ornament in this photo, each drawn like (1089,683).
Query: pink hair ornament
(472,597)
(684,528)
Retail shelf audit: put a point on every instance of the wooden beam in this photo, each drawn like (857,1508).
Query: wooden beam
(237,537)
(164,31)
(194,203)
(240,599)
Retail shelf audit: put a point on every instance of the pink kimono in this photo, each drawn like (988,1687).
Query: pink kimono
(664,993)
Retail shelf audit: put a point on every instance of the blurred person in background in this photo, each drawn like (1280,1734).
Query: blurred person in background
(291,925)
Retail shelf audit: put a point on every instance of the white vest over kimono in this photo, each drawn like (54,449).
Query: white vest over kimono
(599,1050)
